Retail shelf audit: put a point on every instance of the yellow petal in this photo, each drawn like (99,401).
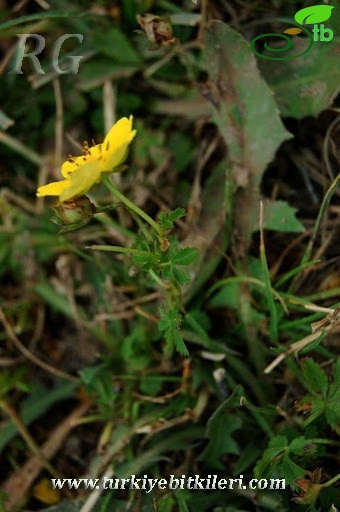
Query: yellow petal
(116,143)
(95,151)
(44,492)
(74,163)
(53,189)
(81,180)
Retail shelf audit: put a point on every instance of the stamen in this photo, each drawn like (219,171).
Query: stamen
(86,150)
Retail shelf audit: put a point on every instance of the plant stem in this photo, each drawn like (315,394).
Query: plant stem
(332,481)
(117,248)
(27,436)
(108,183)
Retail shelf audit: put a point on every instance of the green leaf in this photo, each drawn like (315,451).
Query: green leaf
(144,260)
(315,379)
(298,445)
(280,216)
(115,45)
(182,506)
(332,409)
(271,456)
(174,338)
(313,345)
(317,405)
(314,14)
(169,324)
(182,149)
(179,276)
(220,427)
(238,111)
(228,296)
(100,69)
(185,256)
(336,372)
(151,386)
(290,471)
(166,220)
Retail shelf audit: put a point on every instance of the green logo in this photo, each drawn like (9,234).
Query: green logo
(313,15)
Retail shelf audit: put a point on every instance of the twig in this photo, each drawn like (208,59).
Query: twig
(95,495)
(59,122)
(35,360)
(22,429)
(109,104)
(18,484)
(319,329)
(20,148)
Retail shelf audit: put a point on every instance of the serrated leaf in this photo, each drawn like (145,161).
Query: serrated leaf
(336,372)
(185,256)
(220,427)
(332,407)
(169,324)
(166,220)
(298,445)
(271,456)
(315,379)
(179,343)
(144,260)
(180,276)
(290,471)
(177,214)
(313,14)
(280,216)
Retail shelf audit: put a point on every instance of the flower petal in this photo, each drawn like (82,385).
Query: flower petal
(74,163)
(52,189)
(116,143)
(81,180)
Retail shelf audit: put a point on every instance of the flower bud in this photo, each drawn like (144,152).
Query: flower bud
(74,211)
(158,29)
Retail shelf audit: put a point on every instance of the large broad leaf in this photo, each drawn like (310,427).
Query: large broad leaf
(246,114)
(280,216)
(220,428)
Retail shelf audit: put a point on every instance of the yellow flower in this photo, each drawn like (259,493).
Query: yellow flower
(82,172)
